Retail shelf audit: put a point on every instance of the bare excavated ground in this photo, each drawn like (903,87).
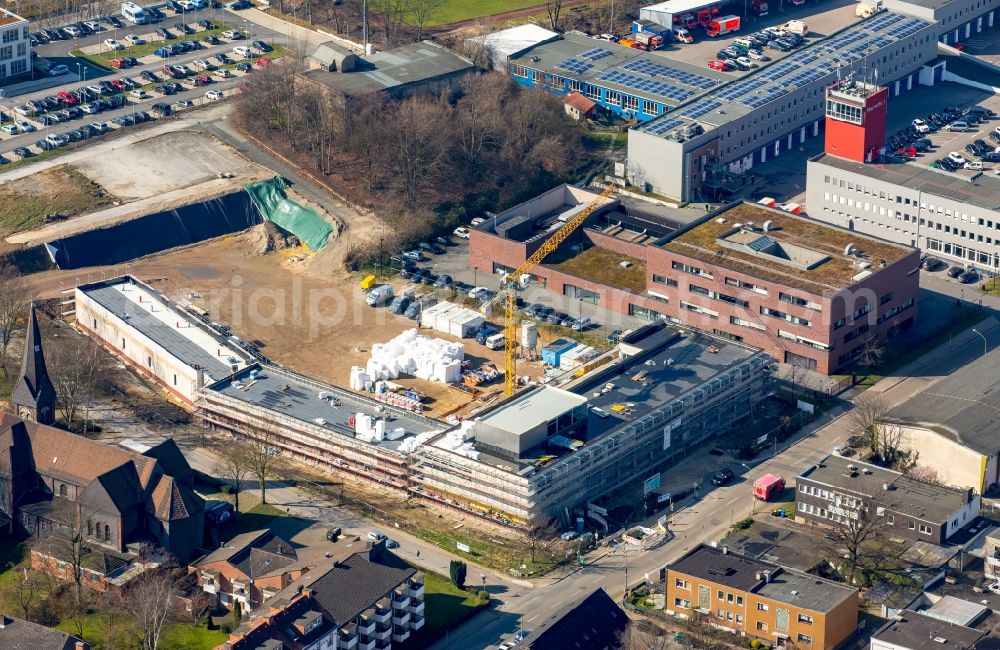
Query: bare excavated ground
(165,163)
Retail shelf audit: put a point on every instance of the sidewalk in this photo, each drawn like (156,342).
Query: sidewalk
(308,38)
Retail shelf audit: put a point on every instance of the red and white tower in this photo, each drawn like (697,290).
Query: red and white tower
(855,120)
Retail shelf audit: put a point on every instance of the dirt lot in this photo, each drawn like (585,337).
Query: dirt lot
(164,163)
(62,190)
(306,315)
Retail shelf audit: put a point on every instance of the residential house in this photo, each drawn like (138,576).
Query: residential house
(18,634)
(760,599)
(251,568)
(578,107)
(595,623)
(368,600)
(839,487)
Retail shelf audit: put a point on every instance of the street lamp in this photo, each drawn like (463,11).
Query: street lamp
(982,337)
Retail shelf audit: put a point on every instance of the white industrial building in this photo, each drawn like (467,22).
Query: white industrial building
(15,47)
(158,338)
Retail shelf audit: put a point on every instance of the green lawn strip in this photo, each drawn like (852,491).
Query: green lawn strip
(455,10)
(38,157)
(139,51)
(445,608)
(179,636)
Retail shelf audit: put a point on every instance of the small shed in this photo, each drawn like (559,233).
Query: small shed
(552,353)
(578,107)
(333,57)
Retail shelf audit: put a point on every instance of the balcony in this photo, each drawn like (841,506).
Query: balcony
(400,603)
(400,634)
(366,622)
(400,618)
(210,587)
(993,560)
(368,644)
(417,623)
(383,616)
(416,608)
(382,633)
(347,643)
(416,591)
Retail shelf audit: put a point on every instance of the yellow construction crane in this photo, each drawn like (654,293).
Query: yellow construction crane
(511,283)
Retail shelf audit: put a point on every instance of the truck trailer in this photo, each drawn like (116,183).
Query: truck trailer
(723,25)
(767,486)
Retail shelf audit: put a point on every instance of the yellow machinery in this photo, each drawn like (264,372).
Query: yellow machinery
(509,287)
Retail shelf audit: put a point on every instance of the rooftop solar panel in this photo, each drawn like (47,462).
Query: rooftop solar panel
(805,77)
(758,100)
(662,126)
(741,88)
(575,66)
(699,108)
(882,21)
(778,70)
(658,70)
(648,85)
(596,53)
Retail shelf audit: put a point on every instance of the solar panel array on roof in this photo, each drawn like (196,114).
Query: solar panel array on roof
(575,66)
(657,70)
(662,126)
(806,76)
(909,26)
(777,70)
(596,53)
(741,88)
(650,86)
(701,107)
(882,21)
(768,95)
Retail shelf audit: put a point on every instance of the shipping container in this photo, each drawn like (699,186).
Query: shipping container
(552,353)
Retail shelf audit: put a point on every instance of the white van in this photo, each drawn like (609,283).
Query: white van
(745,42)
(974,164)
(495,341)
(957,125)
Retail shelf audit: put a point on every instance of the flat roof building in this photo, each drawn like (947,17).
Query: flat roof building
(953,424)
(528,420)
(952,216)
(16,52)
(645,412)
(837,487)
(760,599)
(808,293)
(913,631)
(156,336)
(495,49)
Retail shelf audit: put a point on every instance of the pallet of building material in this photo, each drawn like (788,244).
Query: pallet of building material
(639,376)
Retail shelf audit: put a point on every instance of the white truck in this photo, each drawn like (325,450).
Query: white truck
(868,8)
(380,295)
(495,342)
(796,27)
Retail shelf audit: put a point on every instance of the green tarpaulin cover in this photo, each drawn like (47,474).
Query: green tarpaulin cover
(274,205)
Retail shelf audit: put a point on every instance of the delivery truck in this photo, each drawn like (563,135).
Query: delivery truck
(768,486)
(650,40)
(683,35)
(379,296)
(796,27)
(723,25)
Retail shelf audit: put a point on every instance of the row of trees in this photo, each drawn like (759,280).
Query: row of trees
(416,159)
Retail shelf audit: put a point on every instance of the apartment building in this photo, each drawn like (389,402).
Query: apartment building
(369,600)
(759,599)
(837,488)
(15,48)
(914,631)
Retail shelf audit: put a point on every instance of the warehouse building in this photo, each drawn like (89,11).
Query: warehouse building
(627,82)
(668,392)
(155,336)
(709,145)
(810,294)
(955,20)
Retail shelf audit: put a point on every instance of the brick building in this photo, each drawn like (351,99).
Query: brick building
(759,599)
(809,294)
(838,487)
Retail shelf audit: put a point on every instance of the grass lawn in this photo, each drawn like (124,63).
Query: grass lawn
(455,10)
(180,636)
(11,552)
(139,51)
(445,608)
(992,286)
(25,202)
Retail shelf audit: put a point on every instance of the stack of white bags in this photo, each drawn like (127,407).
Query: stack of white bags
(415,355)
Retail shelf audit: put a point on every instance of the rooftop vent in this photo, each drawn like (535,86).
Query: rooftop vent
(849,249)
(767,225)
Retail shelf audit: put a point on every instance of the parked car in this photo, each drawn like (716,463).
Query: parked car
(262,46)
(723,476)
(242,52)
(968,277)
(241,4)
(58,70)
(149,76)
(232,34)
(955,271)
(956,158)
(25,125)
(23,152)
(461,232)
(244,67)
(214,95)
(931,264)
(921,126)
(717,64)
(614,336)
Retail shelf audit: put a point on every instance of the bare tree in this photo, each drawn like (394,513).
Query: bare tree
(78,376)
(111,615)
(887,438)
(393,13)
(150,599)
(851,548)
(262,452)
(540,538)
(235,466)
(868,411)
(66,545)
(23,591)
(421,11)
(644,635)
(871,353)
(925,474)
(15,297)
(553,8)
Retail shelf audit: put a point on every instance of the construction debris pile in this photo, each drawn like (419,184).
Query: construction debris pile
(411,354)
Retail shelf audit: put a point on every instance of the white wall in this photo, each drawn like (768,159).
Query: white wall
(954,463)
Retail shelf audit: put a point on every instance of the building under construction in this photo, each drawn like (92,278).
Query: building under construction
(545,453)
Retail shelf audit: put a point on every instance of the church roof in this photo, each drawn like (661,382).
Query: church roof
(34,388)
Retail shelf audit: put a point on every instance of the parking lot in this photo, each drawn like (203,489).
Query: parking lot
(822,20)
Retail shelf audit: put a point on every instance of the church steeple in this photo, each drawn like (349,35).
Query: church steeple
(34,396)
